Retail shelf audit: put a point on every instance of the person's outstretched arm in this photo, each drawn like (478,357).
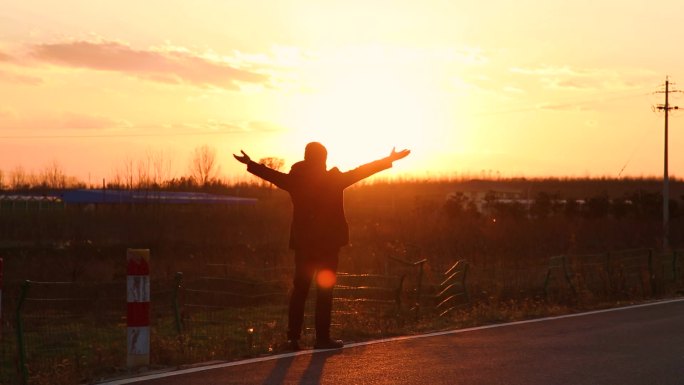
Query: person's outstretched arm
(368,169)
(278,178)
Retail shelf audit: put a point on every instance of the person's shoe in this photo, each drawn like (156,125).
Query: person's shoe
(293,345)
(328,344)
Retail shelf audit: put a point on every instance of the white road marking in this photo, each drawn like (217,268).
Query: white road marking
(381,341)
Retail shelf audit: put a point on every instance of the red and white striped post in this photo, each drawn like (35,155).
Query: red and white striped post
(138,312)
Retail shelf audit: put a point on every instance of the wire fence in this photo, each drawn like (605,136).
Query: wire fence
(63,331)
(75,332)
(229,315)
(635,273)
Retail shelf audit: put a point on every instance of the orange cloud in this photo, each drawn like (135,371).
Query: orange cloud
(162,66)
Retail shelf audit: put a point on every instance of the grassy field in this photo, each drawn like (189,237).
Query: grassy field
(508,249)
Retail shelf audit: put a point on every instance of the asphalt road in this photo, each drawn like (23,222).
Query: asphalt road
(637,345)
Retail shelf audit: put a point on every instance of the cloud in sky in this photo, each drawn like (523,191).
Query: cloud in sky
(11,77)
(229,127)
(59,121)
(78,121)
(569,78)
(161,65)
(262,126)
(5,57)
(572,106)
(7,112)
(196,128)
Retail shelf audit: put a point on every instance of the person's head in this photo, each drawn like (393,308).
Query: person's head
(315,153)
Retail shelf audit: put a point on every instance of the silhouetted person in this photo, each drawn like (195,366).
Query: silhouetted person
(318,231)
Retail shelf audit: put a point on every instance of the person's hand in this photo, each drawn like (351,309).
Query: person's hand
(243,159)
(394,155)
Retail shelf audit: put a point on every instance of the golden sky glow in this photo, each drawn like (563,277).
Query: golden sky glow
(510,88)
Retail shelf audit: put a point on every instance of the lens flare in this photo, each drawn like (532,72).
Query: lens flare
(326,278)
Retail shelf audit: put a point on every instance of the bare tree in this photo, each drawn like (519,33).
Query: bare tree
(203,167)
(153,168)
(19,179)
(53,176)
(161,167)
(116,179)
(144,171)
(123,176)
(274,163)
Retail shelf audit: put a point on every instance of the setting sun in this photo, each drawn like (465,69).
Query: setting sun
(364,100)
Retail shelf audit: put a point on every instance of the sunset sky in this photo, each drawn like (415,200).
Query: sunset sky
(510,88)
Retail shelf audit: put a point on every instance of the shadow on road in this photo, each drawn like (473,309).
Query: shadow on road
(277,375)
(311,375)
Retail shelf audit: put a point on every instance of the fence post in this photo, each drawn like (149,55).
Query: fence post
(420,278)
(419,287)
(609,269)
(547,278)
(566,272)
(138,308)
(651,274)
(674,265)
(176,305)
(21,343)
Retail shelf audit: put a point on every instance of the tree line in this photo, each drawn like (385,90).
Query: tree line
(153,170)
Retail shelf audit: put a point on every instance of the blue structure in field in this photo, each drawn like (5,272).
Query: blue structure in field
(84,196)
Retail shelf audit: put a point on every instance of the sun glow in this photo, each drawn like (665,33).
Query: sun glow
(360,107)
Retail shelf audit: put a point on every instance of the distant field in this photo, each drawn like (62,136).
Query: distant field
(83,243)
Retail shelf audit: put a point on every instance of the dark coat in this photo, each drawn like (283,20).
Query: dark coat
(318,219)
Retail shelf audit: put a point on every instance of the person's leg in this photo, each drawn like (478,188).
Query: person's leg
(304,271)
(325,282)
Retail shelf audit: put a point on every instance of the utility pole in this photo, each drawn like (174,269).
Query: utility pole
(666,176)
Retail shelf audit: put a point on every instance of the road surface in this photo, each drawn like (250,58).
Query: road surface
(642,344)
